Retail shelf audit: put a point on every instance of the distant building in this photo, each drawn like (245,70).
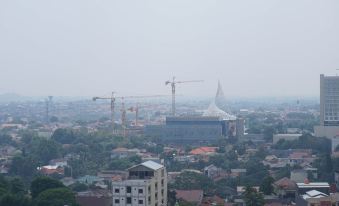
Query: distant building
(194,128)
(190,196)
(317,198)
(146,185)
(94,197)
(329,109)
(299,175)
(287,137)
(323,187)
(214,123)
(122,152)
(285,188)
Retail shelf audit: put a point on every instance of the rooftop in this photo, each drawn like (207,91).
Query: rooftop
(152,165)
(313,184)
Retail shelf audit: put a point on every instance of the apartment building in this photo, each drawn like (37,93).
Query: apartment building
(146,185)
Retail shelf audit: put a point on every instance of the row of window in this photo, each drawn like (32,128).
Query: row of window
(129,190)
(128,201)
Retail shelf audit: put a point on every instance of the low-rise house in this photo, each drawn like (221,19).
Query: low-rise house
(212,171)
(124,152)
(299,175)
(50,170)
(238,172)
(242,189)
(323,187)
(317,198)
(215,200)
(89,180)
(185,158)
(204,151)
(94,197)
(285,188)
(190,196)
(59,162)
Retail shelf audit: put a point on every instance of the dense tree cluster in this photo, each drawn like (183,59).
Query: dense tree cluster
(45,191)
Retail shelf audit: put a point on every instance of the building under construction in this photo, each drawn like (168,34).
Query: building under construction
(212,125)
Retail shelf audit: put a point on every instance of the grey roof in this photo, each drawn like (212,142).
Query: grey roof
(152,165)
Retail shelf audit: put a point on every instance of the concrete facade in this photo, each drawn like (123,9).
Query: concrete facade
(146,186)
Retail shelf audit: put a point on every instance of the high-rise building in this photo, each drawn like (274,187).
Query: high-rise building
(329,100)
(146,185)
(329,109)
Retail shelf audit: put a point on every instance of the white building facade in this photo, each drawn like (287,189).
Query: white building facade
(146,186)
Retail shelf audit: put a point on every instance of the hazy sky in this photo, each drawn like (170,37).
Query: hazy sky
(91,47)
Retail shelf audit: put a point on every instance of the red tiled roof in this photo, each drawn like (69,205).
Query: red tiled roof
(203,150)
(286,183)
(194,196)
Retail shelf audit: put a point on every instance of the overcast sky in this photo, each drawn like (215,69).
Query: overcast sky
(91,47)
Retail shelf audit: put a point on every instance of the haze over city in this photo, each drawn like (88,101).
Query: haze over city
(86,48)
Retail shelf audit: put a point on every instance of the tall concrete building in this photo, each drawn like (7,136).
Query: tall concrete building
(329,109)
(146,185)
(329,100)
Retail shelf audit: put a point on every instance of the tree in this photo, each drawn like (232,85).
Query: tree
(266,185)
(56,197)
(23,166)
(41,184)
(79,187)
(17,186)
(45,150)
(252,197)
(14,200)
(63,136)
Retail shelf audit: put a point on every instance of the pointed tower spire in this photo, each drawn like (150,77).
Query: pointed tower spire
(220,99)
(220,93)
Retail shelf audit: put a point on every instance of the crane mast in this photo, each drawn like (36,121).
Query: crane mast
(113,99)
(173,83)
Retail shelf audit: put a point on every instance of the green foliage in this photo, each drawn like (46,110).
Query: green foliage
(124,163)
(63,136)
(41,184)
(6,139)
(79,187)
(192,180)
(15,200)
(23,166)
(17,186)
(253,198)
(56,197)
(266,185)
(171,197)
(306,141)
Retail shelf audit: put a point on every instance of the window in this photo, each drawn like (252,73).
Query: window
(116,191)
(128,189)
(162,172)
(156,186)
(149,188)
(162,192)
(140,191)
(162,182)
(129,200)
(156,196)
(141,202)
(116,201)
